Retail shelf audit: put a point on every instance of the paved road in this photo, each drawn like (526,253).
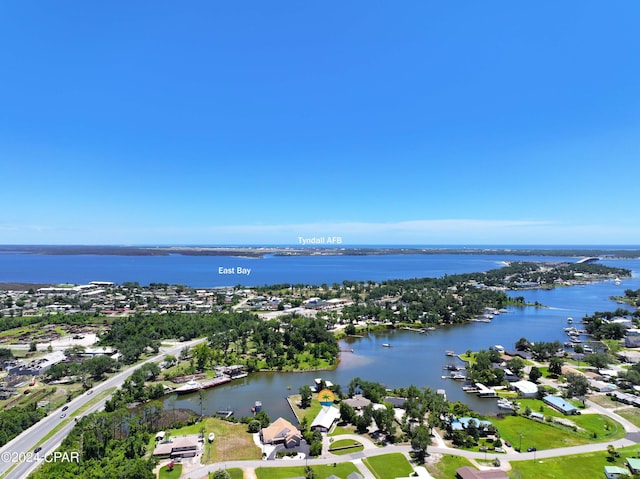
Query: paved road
(632,437)
(25,443)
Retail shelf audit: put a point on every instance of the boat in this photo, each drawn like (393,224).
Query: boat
(450,353)
(457,377)
(257,407)
(453,367)
(189,387)
(504,403)
(386,345)
(470,389)
(212,436)
(570,320)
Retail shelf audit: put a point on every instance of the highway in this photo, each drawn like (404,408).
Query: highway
(16,457)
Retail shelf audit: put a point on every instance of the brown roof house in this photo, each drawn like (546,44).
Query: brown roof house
(178,447)
(281,431)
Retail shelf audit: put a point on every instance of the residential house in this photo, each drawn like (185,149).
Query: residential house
(281,431)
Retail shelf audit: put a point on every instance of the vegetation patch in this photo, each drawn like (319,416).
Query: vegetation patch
(590,428)
(446,467)
(345,446)
(389,465)
(170,472)
(583,465)
(340,470)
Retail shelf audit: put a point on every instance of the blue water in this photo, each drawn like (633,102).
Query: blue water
(413,359)
(203,271)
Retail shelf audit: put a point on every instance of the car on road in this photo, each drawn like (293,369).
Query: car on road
(531,449)
(64,414)
(65,408)
(90,391)
(37,450)
(507,443)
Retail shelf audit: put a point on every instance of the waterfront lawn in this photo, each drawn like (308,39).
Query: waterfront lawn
(310,413)
(389,465)
(446,467)
(583,465)
(340,470)
(232,442)
(544,435)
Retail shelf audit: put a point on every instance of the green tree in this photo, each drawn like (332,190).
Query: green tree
(305,396)
(577,385)
(555,365)
(534,374)
(420,440)
(221,474)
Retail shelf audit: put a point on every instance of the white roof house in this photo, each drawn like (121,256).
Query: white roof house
(525,388)
(325,418)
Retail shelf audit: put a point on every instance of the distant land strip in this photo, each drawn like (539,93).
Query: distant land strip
(260,251)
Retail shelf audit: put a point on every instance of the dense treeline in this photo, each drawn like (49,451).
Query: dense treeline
(17,419)
(134,334)
(233,337)
(599,324)
(112,445)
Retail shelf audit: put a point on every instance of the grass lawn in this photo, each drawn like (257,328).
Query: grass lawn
(446,467)
(544,435)
(631,414)
(232,443)
(310,413)
(584,465)
(389,465)
(175,472)
(345,446)
(346,429)
(235,473)
(341,470)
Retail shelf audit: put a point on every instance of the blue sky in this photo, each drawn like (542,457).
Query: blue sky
(259,122)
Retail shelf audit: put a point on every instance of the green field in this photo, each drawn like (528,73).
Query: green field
(584,465)
(590,428)
(446,467)
(322,472)
(389,465)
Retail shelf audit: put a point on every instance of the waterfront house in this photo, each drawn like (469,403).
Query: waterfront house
(281,431)
(460,424)
(525,388)
(178,447)
(325,419)
(560,404)
(357,402)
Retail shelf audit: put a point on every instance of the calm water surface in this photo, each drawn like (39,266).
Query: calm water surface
(419,358)
(413,358)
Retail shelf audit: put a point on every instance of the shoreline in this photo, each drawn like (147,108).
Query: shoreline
(604,252)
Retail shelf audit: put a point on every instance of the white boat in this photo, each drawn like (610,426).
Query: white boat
(504,403)
(386,345)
